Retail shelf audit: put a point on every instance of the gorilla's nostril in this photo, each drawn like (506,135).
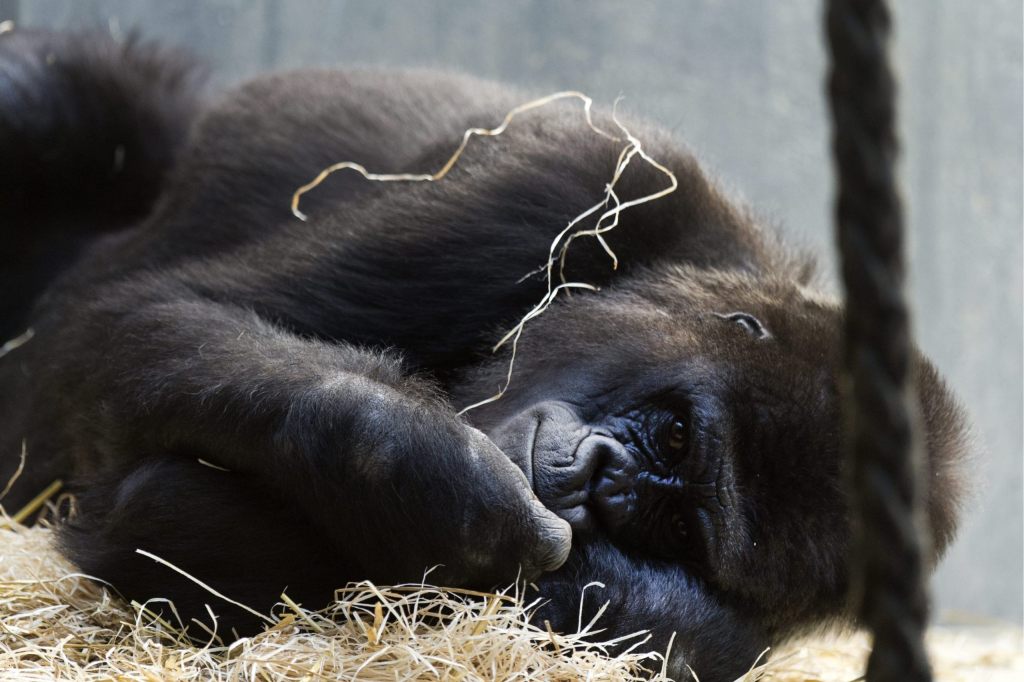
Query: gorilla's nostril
(609,483)
(612,491)
(614,501)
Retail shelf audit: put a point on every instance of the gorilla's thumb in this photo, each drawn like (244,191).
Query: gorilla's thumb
(539,537)
(554,538)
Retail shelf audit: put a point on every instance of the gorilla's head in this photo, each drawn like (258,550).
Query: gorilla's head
(693,415)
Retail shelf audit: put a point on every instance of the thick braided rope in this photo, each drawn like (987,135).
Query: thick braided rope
(887,563)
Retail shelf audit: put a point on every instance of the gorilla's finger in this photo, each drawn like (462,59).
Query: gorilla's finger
(539,538)
(554,538)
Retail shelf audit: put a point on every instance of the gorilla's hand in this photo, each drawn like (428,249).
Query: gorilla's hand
(423,489)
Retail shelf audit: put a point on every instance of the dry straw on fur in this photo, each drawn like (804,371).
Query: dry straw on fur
(608,208)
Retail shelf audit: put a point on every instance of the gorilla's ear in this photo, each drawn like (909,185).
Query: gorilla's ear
(948,442)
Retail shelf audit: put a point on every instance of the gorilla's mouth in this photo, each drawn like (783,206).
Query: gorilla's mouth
(562,477)
(550,445)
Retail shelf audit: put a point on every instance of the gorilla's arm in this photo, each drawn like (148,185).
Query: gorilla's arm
(146,369)
(714,639)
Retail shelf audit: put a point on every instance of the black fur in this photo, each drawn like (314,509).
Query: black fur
(683,420)
(90,129)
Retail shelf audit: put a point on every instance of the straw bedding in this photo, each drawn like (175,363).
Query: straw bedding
(56,624)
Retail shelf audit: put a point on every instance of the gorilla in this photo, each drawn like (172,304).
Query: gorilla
(268,403)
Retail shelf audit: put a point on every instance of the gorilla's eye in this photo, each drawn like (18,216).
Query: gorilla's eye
(677,435)
(748,322)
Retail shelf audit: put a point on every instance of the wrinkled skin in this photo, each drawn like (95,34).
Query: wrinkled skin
(675,435)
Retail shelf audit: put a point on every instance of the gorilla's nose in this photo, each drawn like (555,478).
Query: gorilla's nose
(612,488)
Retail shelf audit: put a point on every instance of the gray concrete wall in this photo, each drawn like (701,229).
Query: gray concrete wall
(741,82)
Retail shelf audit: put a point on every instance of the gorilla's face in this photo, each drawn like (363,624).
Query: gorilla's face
(692,417)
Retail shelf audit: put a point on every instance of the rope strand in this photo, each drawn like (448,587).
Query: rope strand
(888,558)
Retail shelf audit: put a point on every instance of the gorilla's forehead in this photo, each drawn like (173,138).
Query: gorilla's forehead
(669,332)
